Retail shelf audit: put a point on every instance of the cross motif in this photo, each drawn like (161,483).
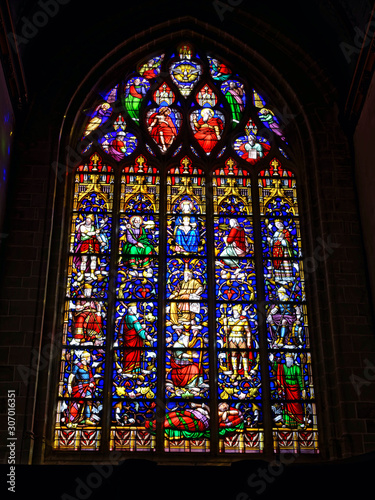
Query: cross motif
(186,162)
(275,164)
(95,159)
(140,161)
(230,163)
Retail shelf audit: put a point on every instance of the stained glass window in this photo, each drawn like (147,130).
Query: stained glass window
(185,319)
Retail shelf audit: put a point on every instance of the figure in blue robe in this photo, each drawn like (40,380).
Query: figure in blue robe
(187,235)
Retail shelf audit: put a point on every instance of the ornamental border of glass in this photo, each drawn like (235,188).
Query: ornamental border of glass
(185,322)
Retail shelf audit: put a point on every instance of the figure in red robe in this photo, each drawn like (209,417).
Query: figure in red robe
(186,364)
(162,128)
(229,418)
(88,322)
(236,246)
(133,336)
(191,423)
(282,251)
(208,129)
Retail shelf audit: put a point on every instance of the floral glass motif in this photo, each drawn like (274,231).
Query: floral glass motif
(178,288)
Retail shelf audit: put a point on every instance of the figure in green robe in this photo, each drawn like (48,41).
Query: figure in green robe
(137,250)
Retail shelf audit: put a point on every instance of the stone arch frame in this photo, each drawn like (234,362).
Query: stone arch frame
(305,127)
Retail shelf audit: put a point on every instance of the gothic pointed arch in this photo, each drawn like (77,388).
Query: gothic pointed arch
(185,325)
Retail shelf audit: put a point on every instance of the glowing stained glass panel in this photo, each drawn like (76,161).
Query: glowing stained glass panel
(207,125)
(238,363)
(251,147)
(81,383)
(134,372)
(118,143)
(163,125)
(206,97)
(151,68)
(186,235)
(164,96)
(235,95)
(208,261)
(185,72)
(186,424)
(219,71)
(135,91)
(292,390)
(102,111)
(267,116)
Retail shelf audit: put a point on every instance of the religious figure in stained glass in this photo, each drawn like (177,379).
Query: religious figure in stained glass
(101,114)
(219,71)
(81,386)
(236,245)
(267,116)
(290,386)
(281,248)
(207,126)
(207,295)
(269,119)
(135,91)
(191,422)
(186,235)
(186,374)
(163,127)
(238,337)
(285,322)
(137,249)
(230,419)
(252,146)
(133,335)
(189,289)
(89,242)
(151,68)
(235,95)
(87,323)
(118,143)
